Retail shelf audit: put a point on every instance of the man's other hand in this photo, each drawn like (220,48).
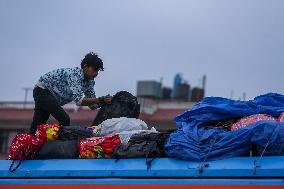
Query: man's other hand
(107,99)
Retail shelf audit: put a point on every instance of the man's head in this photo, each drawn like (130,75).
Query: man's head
(91,65)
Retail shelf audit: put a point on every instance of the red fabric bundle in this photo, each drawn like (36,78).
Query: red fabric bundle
(23,146)
(98,147)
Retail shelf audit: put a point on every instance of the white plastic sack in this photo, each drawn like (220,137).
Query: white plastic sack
(117,125)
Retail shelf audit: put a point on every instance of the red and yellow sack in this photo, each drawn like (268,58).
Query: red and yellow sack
(46,132)
(98,147)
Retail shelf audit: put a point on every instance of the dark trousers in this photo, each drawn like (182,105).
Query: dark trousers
(46,104)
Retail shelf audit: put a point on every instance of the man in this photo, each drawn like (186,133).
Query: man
(61,86)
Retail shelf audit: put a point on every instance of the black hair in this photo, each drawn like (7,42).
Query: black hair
(92,59)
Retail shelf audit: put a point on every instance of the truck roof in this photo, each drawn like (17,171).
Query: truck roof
(238,167)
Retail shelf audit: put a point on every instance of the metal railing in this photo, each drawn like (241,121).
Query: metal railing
(16,104)
(29,105)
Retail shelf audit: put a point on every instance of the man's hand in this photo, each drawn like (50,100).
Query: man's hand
(99,101)
(107,99)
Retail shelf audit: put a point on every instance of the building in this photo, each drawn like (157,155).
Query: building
(166,93)
(197,94)
(149,89)
(182,92)
(177,81)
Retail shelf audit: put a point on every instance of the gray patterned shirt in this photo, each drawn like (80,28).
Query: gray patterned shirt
(67,85)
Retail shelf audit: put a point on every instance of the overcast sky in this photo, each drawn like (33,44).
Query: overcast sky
(238,44)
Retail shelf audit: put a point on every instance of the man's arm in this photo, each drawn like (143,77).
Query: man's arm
(90,98)
(97,101)
(89,101)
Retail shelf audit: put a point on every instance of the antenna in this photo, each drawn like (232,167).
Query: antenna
(244,96)
(204,83)
(26,89)
(232,94)
(161,80)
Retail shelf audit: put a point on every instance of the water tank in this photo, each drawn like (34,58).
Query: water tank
(151,89)
(166,93)
(182,92)
(177,82)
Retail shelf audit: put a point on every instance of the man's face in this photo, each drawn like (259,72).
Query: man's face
(90,72)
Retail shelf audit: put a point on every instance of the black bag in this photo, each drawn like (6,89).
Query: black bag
(74,133)
(123,104)
(143,145)
(59,149)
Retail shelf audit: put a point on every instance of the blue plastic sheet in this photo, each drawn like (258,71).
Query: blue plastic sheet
(195,140)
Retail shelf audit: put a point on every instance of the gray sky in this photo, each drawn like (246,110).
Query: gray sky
(238,44)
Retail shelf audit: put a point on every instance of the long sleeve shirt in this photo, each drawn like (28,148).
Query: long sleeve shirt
(67,85)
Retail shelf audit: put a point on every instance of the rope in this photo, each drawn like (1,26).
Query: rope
(203,164)
(255,162)
(13,169)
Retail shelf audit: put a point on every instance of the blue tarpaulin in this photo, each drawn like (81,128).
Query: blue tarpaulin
(195,140)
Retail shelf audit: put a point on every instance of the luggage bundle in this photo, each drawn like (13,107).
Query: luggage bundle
(116,133)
